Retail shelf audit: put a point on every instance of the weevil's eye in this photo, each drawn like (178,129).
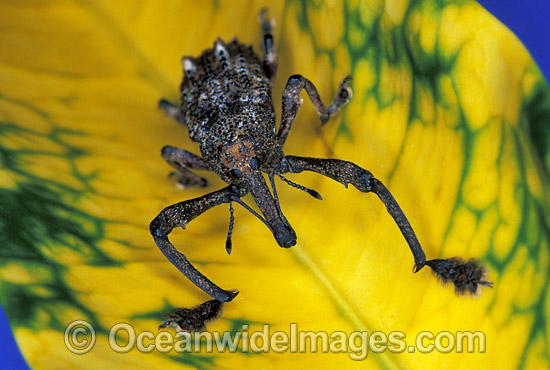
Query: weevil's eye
(255,163)
(236,173)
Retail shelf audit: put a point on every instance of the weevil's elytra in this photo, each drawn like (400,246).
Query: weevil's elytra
(227,106)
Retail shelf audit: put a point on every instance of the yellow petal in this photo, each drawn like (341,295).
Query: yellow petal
(445,99)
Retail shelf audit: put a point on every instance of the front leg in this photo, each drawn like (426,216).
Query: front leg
(179,215)
(467,276)
(349,173)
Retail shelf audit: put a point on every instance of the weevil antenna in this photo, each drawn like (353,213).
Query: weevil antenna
(272,180)
(311,192)
(249,209)
(228,243)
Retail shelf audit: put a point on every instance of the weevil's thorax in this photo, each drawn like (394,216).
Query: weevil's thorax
(226,95)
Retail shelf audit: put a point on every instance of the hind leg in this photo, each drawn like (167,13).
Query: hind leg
(271,61)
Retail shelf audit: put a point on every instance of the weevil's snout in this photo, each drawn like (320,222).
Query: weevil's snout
(286,237)
(282,231)
(244,168)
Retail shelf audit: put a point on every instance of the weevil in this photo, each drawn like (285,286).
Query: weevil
(227,106)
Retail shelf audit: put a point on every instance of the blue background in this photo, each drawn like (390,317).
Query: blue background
(528,19)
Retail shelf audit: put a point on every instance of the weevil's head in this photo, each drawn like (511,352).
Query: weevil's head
(242,165)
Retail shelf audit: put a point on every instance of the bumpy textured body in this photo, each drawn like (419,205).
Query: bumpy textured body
(226,95)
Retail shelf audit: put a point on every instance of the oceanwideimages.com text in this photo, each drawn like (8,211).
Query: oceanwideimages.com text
(80,338)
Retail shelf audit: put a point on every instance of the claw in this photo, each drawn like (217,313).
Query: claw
(345,92)
(417,267)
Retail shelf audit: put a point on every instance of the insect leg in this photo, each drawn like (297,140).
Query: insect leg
(292,102)
(349,173)
(467,276)
(271,61)
(179,215)
(172,111)
(182,160)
